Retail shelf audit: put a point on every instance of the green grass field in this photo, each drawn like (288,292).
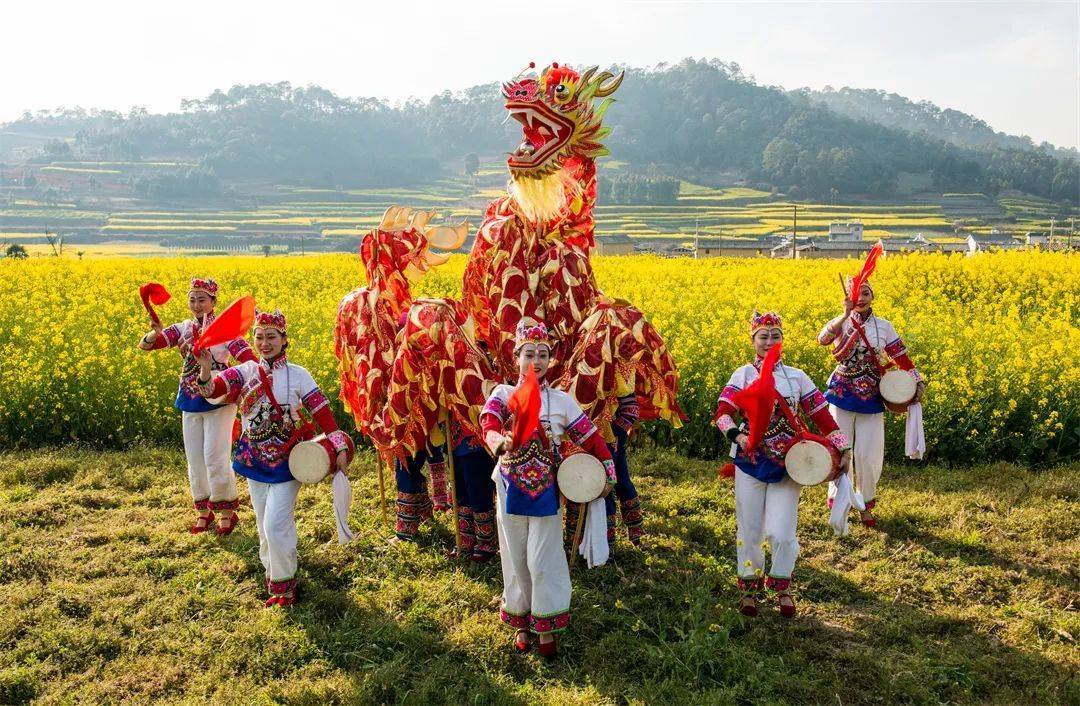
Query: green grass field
(967,593)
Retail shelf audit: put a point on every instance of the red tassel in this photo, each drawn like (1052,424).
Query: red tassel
(727,471)
(233,323)
(867,269)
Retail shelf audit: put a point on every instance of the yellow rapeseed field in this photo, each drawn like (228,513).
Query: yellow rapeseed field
(996,336)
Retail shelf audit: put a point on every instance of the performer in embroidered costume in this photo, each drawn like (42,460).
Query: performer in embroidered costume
(863,344)
(473,467)
(271,393)
(207,427)
(531,259)
(536,576)
(766,498)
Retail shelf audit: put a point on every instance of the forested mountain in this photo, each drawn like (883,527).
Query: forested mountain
(893,110)
(693,116)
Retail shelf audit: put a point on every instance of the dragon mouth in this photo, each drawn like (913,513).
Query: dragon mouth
(544,133)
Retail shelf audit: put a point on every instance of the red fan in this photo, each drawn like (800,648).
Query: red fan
(525,404)
(156,294)
(867,269)
(233,323)
(758,400)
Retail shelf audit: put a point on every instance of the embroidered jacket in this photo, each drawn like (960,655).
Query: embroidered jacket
(182,336)
(853,385)
(766,463)
(528,474)
(262,451)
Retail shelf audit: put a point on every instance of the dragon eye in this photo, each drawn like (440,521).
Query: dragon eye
(562,93)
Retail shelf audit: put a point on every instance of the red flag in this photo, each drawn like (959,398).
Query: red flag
(233,323)
(156,294)
(525,404)
(867,270)
(759,398)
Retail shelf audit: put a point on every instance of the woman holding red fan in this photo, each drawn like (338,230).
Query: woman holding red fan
(536,576)
(766,498)
(271,393)
(207,426)
(863,343)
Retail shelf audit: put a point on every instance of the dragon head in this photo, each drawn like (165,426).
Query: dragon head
(558,118)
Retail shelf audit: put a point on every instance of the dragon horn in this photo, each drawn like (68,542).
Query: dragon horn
(587,76)
(612,85)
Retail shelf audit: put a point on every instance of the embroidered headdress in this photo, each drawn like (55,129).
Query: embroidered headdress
(529,331)
(207,285)
(769,319)
(270,319)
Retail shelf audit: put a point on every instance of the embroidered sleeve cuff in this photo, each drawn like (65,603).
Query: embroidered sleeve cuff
(725,423)
(496,407)
(625,424)
(839,440)
(609,469)
(580,429)
(337,440)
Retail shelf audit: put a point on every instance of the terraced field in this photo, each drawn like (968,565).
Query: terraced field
(291,218)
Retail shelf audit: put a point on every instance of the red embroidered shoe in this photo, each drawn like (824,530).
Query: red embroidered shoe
(282,593)
(787,604)
(548,649)
(867,518)
(202,523)
(227,523)
(750,588)
(522,642)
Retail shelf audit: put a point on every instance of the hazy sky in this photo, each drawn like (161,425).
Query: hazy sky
(1014,64)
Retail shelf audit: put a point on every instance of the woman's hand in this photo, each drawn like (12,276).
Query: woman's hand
(497,443)
(743,441)
(920,390)
(342,462)
(608,487)
(843,468)
(206,362)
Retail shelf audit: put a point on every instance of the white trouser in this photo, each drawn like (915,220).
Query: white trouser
(207,437)
(274,504)
(536,577)
(766,511)
(866,432)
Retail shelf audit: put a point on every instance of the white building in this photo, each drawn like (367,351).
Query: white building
(846,231)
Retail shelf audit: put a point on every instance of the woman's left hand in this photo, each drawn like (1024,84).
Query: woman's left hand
(607,490)
(920,390)
(342,462)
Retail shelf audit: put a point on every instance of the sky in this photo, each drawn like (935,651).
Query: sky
(1016,65)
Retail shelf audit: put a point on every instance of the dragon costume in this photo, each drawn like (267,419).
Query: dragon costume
(408,364)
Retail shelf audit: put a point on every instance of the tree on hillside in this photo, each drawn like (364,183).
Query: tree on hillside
(16,251)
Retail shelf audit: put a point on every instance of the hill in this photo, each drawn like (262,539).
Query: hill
(703,118)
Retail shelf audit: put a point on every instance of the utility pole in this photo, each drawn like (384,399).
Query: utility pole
(794,227)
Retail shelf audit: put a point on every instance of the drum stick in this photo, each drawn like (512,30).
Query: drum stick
(577,534)
(382,493)
(453,488)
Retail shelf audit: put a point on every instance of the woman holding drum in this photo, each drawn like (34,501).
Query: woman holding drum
(536,576)
(864,346)
(766,489)
(207,426)
(271,393)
